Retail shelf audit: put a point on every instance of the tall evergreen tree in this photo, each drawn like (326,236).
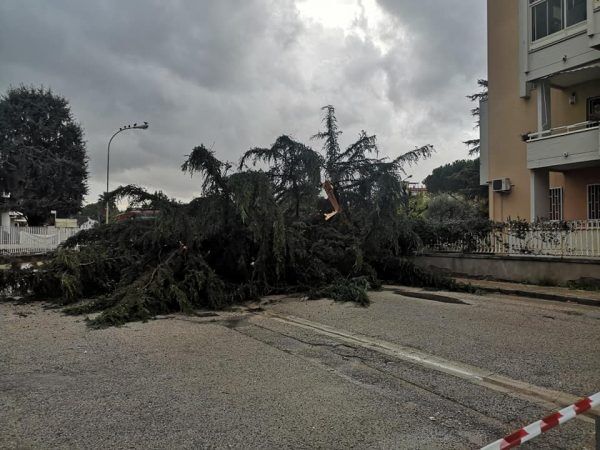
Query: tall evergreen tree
(473,144)
(357,172)
(294,170)
(43,162)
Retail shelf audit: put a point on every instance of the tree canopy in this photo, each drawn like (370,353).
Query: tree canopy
(97,210)
(357,173)
(294,171)
(445,208)
(459,177)
(250,233)
(43,163)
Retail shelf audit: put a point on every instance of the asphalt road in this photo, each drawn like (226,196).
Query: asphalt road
(297,374)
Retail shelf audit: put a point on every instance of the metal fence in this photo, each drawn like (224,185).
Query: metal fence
(32,240)
(563,239)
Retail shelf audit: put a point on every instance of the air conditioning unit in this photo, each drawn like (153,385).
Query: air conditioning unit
(501,185)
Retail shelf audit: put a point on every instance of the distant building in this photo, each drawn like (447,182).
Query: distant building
(417,188)
(12,219)
(540,140)
(137,214)
(65,223)
(88,224)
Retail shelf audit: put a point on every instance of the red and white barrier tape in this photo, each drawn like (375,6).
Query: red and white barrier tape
(541,426)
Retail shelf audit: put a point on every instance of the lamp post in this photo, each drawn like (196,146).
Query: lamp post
(135,126)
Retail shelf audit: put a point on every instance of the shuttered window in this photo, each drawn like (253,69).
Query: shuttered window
(593,196)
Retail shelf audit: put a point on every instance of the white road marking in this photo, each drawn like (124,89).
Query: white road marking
(475,375)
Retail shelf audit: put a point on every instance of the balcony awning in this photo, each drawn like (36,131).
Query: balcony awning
(571,77)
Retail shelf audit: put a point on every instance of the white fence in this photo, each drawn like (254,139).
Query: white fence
(570,239)
(32,240)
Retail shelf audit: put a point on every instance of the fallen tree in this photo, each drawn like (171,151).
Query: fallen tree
(250,233)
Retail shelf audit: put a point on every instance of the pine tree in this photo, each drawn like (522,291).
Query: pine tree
(294,170)
(473,144)
(250,233)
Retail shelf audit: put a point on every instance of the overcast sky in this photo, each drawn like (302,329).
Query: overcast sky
(235,74)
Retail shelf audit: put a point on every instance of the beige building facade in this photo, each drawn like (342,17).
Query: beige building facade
(540,137)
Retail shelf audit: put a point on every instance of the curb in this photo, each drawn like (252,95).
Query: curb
(424,295)
(539,295)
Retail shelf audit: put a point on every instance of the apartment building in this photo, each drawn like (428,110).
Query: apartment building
(540,138)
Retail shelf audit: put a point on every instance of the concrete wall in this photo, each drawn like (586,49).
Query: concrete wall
(514,268)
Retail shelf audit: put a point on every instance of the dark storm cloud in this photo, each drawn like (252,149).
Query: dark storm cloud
(239,73)
(446,43)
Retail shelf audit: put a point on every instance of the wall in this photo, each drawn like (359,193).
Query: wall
(5,219)
(509,114)
(567,49)
(575,192)
(514,268)
(565,114)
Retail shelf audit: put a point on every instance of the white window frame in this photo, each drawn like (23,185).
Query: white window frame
(557,200)
(589,203)
(564,33)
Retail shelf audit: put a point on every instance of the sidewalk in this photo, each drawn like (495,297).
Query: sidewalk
(560,294)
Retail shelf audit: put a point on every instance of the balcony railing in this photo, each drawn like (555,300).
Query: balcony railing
(562,131)
(576,145)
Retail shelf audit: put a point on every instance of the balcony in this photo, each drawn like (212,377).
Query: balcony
(562,39)
(567,147)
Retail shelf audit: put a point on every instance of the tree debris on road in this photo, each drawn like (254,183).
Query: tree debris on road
(250,233)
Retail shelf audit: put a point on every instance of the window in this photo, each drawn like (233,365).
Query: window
(593,201)
(556,203)
(551,16)
(593,109)
(576,11)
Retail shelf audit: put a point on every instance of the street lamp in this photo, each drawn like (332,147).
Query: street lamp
(135,126)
